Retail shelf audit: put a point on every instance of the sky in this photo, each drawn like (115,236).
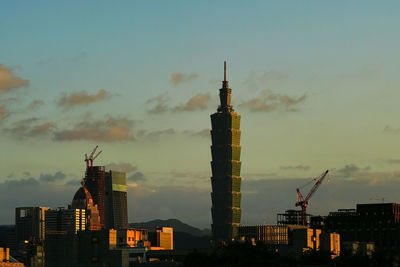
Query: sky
(316,84)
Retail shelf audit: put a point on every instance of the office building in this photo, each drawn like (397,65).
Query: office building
(116,204)
(94,182)
(225,166)
(162,239)
(30,223)
(83,200)
(65,220)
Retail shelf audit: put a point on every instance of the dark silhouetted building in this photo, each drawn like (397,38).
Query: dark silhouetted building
(30,223)
(30,232)
(94,181)
(116,204)
(225,165)
(65,220)
(378,223)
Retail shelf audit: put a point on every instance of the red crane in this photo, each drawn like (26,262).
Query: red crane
(89,160)
(303,202)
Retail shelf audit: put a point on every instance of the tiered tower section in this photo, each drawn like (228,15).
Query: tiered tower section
(225,166)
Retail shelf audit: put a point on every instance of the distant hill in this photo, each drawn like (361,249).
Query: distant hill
(174,223)
(185,235)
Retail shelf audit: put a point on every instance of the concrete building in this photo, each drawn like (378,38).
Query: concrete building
(291,240)
(116,203)
(162,239)
(133,238)
(225,166)
(377,223)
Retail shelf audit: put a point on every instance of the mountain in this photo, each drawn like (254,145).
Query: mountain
(174,223)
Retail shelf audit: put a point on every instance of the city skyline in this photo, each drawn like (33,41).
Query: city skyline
(316,85)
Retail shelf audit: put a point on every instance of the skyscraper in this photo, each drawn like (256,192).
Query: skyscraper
(225,166)
(95,183)
(116,206)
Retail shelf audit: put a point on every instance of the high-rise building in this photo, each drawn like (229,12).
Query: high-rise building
(30,231)
(95,183)
(30,223)
(225,165)
(116,205)
(83,200)
(65,220)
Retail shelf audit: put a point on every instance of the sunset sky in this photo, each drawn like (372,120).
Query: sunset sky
(317,84)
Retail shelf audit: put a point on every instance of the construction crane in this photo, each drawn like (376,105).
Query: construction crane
(89,160)
(303,201)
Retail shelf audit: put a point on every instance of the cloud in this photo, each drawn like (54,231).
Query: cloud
(347,171)
(389,129)
(23,182)
(110,130)
(160,106)
(81,98)
(179,77)
(204,133)
(197,102)
(28,128)
(58,176)
(8,81)
(154,135)
(393,161)
(3,112)
(136,177)
(35,105)
(268,101)
(74,183)
(122,167)
(296,168)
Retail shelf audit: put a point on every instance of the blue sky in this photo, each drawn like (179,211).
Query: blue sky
(316,83)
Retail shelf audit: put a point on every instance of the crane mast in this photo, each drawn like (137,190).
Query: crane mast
(303,202)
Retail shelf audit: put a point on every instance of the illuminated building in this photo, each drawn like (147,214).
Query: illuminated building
(116,205)
(225,165)
(95,183)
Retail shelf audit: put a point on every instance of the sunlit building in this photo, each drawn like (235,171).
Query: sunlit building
(116,203)
(225,165)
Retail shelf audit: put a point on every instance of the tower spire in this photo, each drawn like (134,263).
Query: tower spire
(224,71)
(225,94)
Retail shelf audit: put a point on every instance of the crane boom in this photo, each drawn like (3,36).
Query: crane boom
(303,202)
(316,185)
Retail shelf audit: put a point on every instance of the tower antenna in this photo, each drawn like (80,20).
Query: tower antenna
(224,71)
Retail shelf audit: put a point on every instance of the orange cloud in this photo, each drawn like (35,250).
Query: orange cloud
(8,81)
(81,98)
(113,129)
(197,102)
(179,77)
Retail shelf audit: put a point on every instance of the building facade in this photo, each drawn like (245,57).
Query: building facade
(65,220)
(116,203)
(225,166)
(94,181)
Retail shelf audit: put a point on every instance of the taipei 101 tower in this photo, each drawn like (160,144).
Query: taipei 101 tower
(225,166)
